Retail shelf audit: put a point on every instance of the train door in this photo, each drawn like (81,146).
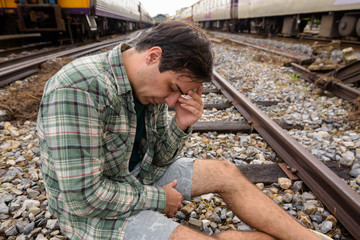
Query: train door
(234,18)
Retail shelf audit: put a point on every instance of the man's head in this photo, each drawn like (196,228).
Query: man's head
(185,49)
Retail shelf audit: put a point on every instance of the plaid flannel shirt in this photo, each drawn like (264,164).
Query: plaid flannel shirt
(86,128)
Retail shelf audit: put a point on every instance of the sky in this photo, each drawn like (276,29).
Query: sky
(155,7)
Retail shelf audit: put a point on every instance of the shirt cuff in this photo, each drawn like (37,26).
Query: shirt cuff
(155,198)
(178,132)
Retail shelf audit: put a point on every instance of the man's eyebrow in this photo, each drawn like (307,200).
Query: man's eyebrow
(178,87)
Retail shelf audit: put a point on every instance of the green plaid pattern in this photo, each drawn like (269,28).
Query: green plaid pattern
(86,128)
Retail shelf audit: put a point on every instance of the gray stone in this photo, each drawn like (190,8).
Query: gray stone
(308,196)
(229,214)
(12,173)
(14,206)
(316,217)
(196,223)
(202,206)
(284,183)
(193,214)
(28,228)
(4,209)
(223,214)
(40,237)
(3,115)
(52,224)
(29,203)
(32,193)
(180,215)
(205,223)
(11,231)
(188,208)
(236,220)
(309,208)
(297,186)
(208,231)
(22,237)
(326,226)
(207,197)
(243,227)
(355,172)
(20,225)
(217,219)
(287,198)
(347,159)
(5,225)
(213,226)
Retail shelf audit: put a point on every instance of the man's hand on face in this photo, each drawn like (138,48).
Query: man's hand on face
(173,199)
(189,110)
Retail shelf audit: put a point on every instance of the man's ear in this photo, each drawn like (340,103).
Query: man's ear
(153,55)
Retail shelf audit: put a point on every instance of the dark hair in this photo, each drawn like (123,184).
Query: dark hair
(185,49)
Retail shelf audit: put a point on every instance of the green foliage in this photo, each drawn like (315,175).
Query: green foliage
(294,76)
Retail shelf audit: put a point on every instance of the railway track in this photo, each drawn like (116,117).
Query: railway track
(17,68)
(327,186)
(337,196)
(332,190)
(338,86)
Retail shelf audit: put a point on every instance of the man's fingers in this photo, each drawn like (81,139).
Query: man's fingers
(199,89)
(173,183)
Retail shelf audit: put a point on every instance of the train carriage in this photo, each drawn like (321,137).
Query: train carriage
(8,13)
(289,17)
(214,13)
(184,14)
(81,18)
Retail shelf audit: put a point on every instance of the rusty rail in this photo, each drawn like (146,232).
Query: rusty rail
(338,88)
(297,57)
(328,83)
(12,72)
(349,73)
(337,196)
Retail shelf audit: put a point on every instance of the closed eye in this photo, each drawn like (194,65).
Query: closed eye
(178,87)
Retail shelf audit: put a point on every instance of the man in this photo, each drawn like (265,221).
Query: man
(110,156)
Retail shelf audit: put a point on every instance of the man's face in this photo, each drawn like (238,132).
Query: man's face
(165,87)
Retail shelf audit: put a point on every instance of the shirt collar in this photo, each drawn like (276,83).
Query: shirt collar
(117,67)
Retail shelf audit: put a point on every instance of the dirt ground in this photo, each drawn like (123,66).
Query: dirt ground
(23,101)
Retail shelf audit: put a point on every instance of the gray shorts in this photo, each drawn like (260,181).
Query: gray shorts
(151,225)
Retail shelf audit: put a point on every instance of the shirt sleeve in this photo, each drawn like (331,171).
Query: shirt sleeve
(170,139)
(74,133)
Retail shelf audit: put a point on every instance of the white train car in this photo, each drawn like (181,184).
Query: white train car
(213,13)
(289,17)
(184,14)
(338,17)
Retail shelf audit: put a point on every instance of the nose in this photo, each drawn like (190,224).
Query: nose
(172,99)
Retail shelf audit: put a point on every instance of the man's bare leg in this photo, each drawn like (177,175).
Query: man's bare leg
(245,200)
(186,233)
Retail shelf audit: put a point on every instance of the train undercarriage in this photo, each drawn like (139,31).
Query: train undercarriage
(55,24)
(331,25)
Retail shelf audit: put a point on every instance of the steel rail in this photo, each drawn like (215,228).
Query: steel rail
(22,69)
(337,196)
(297,57)
(328,83)
(333,85)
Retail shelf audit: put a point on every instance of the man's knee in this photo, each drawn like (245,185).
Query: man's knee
(185,233)
(225,169)
(223,174)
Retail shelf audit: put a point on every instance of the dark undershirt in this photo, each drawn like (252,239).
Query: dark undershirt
(136,157)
